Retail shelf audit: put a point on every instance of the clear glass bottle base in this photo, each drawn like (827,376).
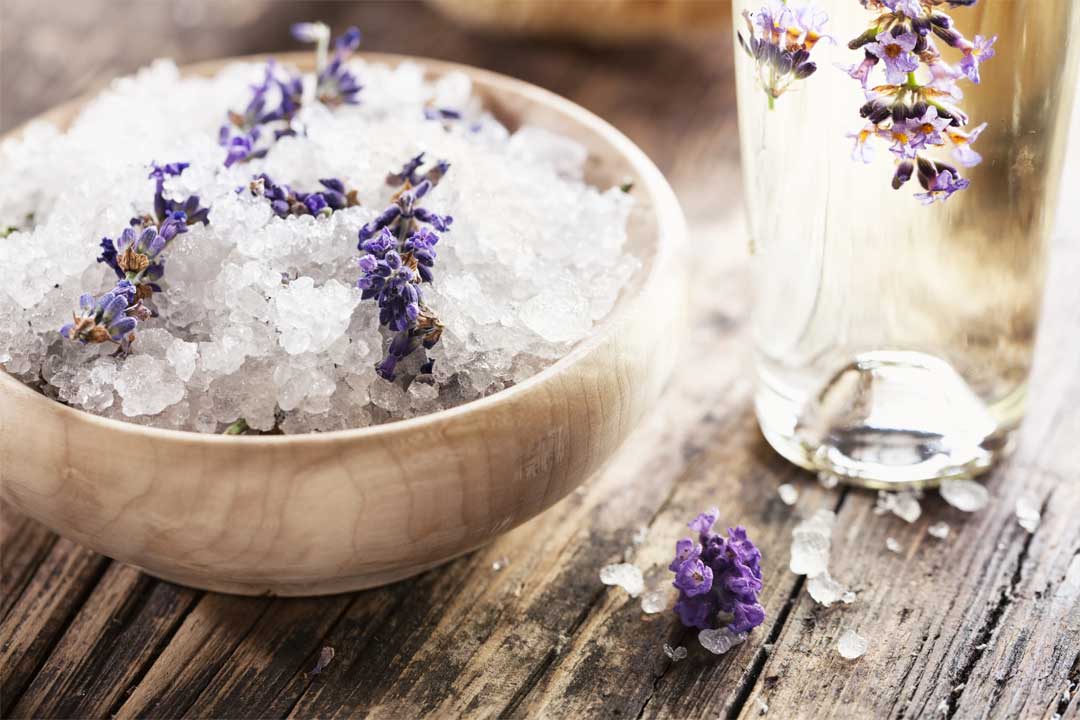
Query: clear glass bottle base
(889,419)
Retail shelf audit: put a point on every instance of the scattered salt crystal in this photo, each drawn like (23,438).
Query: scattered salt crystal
(500,563)
(147,387)
(788,493)
(848,597)
(763,707)
(964,494)
(676,654)
(851,645)
(639,535)
(325,656)
(905,505)
(940,530)
(892,544)
(810,541)
(1027,512)
(655,601)
(625,575)
(828,480)
(721,640)
(824,590)
(982,647)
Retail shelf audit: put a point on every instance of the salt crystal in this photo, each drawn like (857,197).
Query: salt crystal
(1027,512)
(828,480)
(500,564)
(146,386)
(851,645)
(625,575)
(676,654)
(892,544)
(824,590)
(639,535)
(788,493)
(763,707)
(964,494)
(904,505)
(655,601)
(940,530)
(810,541)
(721,640)
(848,597)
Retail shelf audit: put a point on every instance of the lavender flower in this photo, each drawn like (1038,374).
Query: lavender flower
(917,115)
(269,115)
(780,41)
(105,319)
(895,50)
(719,579)
(285,201)
(136,258)
(398,249)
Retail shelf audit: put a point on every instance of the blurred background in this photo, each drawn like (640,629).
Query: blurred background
(659,70)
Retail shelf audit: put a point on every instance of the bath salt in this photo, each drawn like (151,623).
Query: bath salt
(963,494)
(851,645)
(259,315)
(655,601)
(675,654)
(624,575)
(939,530)
(721,640)
(1027,513)
(788,494)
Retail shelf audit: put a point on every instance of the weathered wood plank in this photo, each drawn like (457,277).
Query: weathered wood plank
(201,646)
(40,615)
(23,546)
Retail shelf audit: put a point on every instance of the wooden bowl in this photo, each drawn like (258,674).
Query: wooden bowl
(339,511)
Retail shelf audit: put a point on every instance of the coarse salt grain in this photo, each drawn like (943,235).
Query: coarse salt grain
(1027,513)
(624,575)
(655,601)
(892,545)
(788,494)
(675,654)
(963,494)
(721,640)
(851,645)
(939,530)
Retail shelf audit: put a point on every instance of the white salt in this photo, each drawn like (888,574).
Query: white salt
(655,601)
(624,575)
(939,530)
(964,494)
(848,597)
(851,645)
(1027,512)
(824,590)
(788,493)
(905,505)
(260,316)
(676,654)
(500,563)
(828,480)
(892,544)
(721,640)
(763,707)
(810,541)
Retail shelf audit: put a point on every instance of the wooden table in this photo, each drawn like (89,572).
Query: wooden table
(986,623)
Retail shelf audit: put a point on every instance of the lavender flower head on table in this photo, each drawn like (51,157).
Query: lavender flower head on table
(398,249)
(917,109)
(718,578)
(780,39)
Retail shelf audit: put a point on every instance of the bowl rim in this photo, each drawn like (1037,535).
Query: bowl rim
(670,223)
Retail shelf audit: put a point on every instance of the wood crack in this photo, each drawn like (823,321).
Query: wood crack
(992,622)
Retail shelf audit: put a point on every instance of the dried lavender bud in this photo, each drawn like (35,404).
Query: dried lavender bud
(781,39)
(105,319)
(719,578)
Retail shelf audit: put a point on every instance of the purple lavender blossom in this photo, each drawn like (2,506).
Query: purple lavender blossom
(780,41)
(719,579)
(104,319)
(398,249)
(336,84)
(896,52)
(975,54)
(916,112)
(285,201)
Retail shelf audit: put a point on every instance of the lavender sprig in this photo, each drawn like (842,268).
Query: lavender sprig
(285,201)
(719,579)
(780,41)
(136,258)
(249,134)
(918,115)
(398,249)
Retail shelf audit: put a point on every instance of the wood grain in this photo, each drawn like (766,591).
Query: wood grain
(542,637)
